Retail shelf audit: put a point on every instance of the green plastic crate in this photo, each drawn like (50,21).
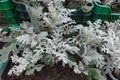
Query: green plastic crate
(8,11)
(115,16)
(104,13)
(11,20)
(5,4)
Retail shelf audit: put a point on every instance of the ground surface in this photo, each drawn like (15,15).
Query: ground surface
(116,7)
(3,22)
(51,73)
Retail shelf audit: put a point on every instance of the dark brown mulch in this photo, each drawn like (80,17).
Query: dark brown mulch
(52,73)
(3,21)
(2,44)
(117,76)
(116,7)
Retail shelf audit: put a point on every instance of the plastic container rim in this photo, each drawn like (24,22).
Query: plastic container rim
(20,10)
(97,3)
(20,3)
(3,0)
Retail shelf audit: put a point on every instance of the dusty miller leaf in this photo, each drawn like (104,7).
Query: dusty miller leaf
(45,60)
(36,67)
(6,50)
(96,74)
(30,72)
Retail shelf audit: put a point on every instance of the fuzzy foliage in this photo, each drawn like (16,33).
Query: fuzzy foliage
(52,37)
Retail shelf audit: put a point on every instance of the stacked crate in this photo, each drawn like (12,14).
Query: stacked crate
(7,11)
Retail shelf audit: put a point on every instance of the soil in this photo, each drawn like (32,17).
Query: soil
(117,75)
(3,22)
(116,7)
(2,44)
(56,72)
